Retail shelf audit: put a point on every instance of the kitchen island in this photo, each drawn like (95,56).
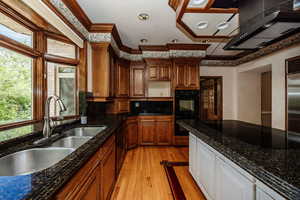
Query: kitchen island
(231,158)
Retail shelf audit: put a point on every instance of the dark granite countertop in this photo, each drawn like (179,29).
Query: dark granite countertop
(44,184)
(270,155)
(148,114)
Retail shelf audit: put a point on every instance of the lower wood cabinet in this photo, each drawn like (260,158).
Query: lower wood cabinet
(131,133)
(95,180)
(155,130)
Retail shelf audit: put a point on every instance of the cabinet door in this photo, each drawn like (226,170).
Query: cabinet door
(108,170)
(132,134)
(192,76)
(230,184)
(164,131)
(123,76)
(206,169)
(165,72)
(153,73)
(260,195)
(147,132)
(90,189)
(180,75)
(193,155)
(112,73)
(137,81)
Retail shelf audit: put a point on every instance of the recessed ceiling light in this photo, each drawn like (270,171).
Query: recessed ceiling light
(202,25)
(143,16)
(143,41)
(198,2)
(175,41)
(223,25)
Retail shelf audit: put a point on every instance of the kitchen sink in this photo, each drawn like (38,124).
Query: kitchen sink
(71,142)
(85,131)
(32,160)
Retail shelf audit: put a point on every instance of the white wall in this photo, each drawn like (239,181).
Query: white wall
(249,97)
(229,88)
(277,61)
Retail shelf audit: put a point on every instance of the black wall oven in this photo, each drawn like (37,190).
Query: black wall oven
(186,107)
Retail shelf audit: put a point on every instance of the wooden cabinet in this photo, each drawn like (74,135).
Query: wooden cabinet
(122,78)
(159,69)
(164,127)
(118,105)
(230,184)
(95,180)
(121,147)
(155,130)
(132,133)
(186,73)
(108,170)
(137,79)
(147,131)
(103,61)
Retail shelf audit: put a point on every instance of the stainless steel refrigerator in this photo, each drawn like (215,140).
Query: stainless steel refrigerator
(293,102)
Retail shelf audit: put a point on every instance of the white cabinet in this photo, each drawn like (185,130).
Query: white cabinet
(206,169)
(193,155)
(263,192)
(260,195)
(230,184)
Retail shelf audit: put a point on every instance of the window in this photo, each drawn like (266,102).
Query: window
(16,101)
(61,81)
(13,30)
(62,49)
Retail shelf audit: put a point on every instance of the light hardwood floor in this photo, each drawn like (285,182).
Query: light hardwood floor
(143,178)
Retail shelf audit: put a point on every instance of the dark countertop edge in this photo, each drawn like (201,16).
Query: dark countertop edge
(261,174)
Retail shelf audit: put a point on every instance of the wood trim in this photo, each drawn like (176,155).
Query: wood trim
(153,48)
(17,124)
(212,10)
(174,4)
(8,11)
(53,8)
(61,60)
(18,47)
(202,47)
(78,12)
(102,28)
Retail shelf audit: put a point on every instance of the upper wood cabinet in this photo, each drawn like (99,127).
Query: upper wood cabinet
(159,69)
(137,79)
(103,60)
(186,73)
(122,78)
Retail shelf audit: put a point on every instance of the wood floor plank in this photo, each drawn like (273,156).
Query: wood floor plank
(143,178)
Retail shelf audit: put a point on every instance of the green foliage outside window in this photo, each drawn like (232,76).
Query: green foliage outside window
(15,87)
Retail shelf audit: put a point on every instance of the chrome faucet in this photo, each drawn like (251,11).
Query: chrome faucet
(48,123)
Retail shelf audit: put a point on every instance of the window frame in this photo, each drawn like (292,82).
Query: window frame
(39,56)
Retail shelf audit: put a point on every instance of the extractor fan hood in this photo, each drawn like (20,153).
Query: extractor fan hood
(264,22)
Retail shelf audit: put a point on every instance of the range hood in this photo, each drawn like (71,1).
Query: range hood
(264,22)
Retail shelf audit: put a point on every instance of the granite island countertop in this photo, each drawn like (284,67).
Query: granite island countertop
(270,155)
(46,183)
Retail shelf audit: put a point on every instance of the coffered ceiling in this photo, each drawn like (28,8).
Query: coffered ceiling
(162,26)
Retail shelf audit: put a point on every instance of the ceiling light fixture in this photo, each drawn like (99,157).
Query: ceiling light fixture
(143,16)
(223,25)
(198,2)
(175,41)
(202,25)
(143,41)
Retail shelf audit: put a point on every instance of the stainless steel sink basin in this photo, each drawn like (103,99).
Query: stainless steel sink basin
(32,160)
(71,142)
(85,131)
